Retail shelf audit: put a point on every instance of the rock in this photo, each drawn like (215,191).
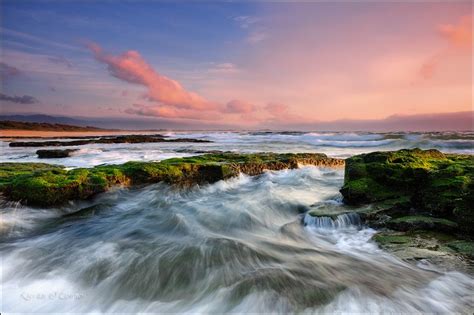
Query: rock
(103,140)
(54,154)
(422,181)
(444,250)
(42,185)
(419,222)
(463,247)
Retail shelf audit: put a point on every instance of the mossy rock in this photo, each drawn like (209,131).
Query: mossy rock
(386,239)
(435,183)
(463,247)
(419,222)
(48,185)
(443,249)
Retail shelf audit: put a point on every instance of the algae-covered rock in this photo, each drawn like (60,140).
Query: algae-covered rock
(47,185)
(419,222)
(463,247)
(432,182)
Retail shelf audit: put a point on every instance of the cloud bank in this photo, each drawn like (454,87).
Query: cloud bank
(457,121)
(169,98)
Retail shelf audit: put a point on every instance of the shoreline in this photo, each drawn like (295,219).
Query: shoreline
(15,133)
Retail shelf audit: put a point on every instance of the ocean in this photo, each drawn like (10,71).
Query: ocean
(243,245)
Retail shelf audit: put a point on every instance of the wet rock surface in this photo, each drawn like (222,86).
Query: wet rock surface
(421,246)
(55,154)
(421,199)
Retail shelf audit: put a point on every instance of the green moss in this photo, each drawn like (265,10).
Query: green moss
(385,239)
(433,182)
(423,219)
(462,247)
(46,185)
(9,171)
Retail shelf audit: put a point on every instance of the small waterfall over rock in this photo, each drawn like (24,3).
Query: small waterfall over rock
(341,221)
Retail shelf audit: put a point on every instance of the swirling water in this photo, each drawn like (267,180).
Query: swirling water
(242,245)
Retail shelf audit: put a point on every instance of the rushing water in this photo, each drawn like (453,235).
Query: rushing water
(241,245)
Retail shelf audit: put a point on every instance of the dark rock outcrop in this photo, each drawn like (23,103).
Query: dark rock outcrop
(103,140)
(55,154)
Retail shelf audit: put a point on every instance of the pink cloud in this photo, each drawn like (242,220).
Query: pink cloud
(239,107)
(131,67)
(170,112)
(276,109)
(428,69)
(280,113)
(459,37)
(169,99)
(460,34)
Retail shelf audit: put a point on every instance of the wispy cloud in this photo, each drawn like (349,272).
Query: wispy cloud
(459,38)
(38,40)
(25,99)
(253,24)
(256,37)
(7,71)
(239,107)
(224,68)
(39,63)
(171,112)
(459,34)
(60,60)
(245,21)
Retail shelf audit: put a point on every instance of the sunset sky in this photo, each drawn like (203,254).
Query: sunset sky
(245,64)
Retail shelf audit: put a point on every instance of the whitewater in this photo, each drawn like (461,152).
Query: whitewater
(244,245)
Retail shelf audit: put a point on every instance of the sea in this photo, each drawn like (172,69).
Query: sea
(243,245)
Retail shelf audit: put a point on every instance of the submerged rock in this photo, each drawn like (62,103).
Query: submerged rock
(55,154)
(47,185)
(442,249)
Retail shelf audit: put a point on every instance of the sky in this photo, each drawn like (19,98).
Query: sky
(249,65)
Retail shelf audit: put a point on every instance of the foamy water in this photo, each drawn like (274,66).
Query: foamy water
(244,245)
(333,144)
